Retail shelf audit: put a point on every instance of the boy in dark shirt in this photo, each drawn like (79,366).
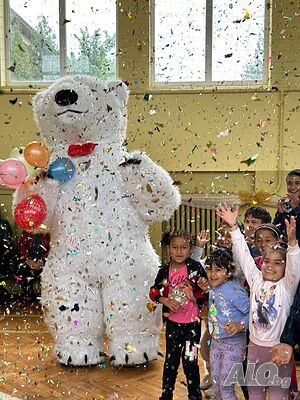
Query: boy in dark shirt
(289,205)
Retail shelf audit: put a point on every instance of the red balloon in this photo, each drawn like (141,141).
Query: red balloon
(31,212)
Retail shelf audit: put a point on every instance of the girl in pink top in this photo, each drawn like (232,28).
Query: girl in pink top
(175,287)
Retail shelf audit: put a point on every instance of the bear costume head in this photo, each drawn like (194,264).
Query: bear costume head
(82,109)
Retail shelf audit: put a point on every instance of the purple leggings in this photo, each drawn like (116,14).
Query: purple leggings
(224,354)
(259,355)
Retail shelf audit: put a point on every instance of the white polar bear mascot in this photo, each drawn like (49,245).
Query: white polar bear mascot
(101,263)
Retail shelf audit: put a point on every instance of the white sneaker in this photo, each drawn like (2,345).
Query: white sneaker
(206,382)
(210,393)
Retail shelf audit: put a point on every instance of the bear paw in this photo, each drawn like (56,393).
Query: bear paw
(132,351)
(79,354)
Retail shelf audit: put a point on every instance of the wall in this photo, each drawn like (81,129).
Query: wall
(185,132)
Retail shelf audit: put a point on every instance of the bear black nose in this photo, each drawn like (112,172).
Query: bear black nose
(66,97)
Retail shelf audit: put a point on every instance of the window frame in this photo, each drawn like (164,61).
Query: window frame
(209,83)
(62,41)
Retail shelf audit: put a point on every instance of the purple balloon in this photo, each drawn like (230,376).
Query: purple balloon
(12,173)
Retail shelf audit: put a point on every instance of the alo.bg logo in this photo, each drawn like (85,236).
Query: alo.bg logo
(266,375)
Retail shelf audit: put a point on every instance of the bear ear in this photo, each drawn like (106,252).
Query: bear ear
(121,91)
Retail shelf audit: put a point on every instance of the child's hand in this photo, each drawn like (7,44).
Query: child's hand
(173,305)
(291,230)
(188,291)
(228,216)
(281,205)
(202,239)
(34,264)
(203,284)
(232,328)
(249,237)
(281,354)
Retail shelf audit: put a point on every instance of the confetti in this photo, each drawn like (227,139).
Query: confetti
(76,307)
(12,67)
(250,160)
(13,101)
(129,348)
(147,96)
(151,307)
(194,148)
(246,15)
(149,188)
(224,133)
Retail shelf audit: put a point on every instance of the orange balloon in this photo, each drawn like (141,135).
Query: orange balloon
(37,154)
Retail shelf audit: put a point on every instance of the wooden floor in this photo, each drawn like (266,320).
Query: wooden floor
(28,369)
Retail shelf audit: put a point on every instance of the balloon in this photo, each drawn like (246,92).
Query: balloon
(18,152)
(13,173)
(31,212)
(61,169)
(37,154)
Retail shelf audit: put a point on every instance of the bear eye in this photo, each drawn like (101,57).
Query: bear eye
(66,97)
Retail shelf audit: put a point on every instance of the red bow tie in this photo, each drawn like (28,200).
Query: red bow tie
(75,150)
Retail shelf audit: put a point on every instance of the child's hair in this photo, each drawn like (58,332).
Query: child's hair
(168,236)
(294,172)
(268,227)
(222,257)
(259,213)
(280,246)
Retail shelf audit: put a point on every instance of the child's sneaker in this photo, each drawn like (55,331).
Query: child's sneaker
(210,393)
(206,382)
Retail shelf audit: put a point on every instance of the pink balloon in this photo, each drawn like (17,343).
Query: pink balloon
(13,173)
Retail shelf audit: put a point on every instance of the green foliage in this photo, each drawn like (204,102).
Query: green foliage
(29,52)
(96,55)
(23,67)
(35,54)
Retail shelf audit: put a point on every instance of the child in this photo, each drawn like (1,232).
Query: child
(33,250)
(175,287)
(227,318)
(223,240)
(7,257)
(283,352)
(7,253)
(254,217)
(271,294)
(266,236)
(289,205)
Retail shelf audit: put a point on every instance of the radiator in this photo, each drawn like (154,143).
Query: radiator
(192,219)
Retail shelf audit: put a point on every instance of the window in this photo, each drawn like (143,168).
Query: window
(209,41)
(50,38)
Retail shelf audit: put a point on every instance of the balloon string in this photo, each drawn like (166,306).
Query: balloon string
(28,192)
